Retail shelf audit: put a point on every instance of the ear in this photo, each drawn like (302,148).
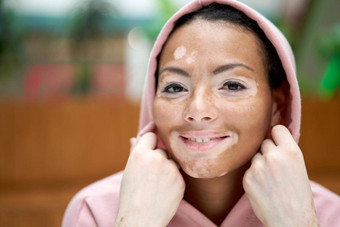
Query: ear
(279,104)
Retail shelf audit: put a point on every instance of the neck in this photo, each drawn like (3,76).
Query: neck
(215,197)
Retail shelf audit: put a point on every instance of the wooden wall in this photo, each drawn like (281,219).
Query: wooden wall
(320,141)
(50,150)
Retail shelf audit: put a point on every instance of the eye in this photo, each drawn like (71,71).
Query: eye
(233,86)
(174,88)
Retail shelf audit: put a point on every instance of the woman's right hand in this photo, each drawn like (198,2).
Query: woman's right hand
(152,186)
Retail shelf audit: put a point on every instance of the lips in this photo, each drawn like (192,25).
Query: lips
(202,141)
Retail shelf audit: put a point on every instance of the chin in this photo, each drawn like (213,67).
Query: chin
(202,169)
(203,175)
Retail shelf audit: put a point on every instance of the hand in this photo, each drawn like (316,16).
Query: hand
(152,186)
(277,183)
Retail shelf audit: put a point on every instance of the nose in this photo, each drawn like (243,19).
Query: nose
(200,108)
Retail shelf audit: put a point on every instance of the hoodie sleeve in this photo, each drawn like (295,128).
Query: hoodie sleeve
(78,214)
(327,206)
(95,205)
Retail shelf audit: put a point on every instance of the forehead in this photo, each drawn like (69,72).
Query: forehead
(199,27)
(216,41)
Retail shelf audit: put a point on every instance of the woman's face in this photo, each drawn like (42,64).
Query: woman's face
(213,104)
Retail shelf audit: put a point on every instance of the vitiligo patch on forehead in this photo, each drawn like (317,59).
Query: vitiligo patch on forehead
(191,58)
(179,52)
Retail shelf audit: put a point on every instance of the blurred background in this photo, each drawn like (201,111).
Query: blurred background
(71,78)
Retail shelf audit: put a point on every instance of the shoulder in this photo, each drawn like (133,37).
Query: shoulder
(327,205)
(96,203)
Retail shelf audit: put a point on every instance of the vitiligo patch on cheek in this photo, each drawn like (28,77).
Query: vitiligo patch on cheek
(250,91)
(254,85)
(179,52)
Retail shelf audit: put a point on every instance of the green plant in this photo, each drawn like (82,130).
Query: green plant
(10,42)
(87,26)
(165,9)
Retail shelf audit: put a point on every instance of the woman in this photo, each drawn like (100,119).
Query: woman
(217,143)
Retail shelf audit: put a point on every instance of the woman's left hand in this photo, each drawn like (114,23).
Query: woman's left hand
(277,183)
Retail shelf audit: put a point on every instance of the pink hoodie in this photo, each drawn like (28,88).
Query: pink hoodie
(97,204)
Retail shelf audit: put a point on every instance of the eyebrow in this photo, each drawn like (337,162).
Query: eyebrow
(216,71)
(231,66)
(175,70)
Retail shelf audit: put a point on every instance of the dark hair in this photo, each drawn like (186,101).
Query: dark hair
(219,12)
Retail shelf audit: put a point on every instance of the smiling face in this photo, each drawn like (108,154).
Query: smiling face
(213,104)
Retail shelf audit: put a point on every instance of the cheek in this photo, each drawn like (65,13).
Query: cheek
(167,116)
(249,116)
(164,112)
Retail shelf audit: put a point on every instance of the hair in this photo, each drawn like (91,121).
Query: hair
(218,12)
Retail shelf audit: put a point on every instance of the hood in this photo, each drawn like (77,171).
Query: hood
(293,114)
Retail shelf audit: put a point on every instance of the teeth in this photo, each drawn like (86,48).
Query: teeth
(206,140)
(200,140)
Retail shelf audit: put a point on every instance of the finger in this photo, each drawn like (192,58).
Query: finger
(175,163)
(281,135)
(162,152)
(256,157)
(165,155)
(267,146)
(133,142)
(148,140)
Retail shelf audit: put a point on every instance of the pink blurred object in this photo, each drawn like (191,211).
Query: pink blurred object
(108,80)
(53,80)
(50,80)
